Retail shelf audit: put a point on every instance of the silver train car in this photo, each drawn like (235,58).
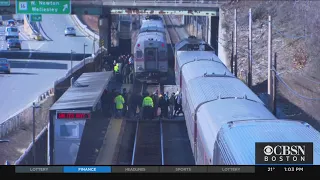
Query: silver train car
(224,118)
(150,52)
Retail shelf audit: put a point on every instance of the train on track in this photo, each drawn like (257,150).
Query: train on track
(150,51)
(224,117)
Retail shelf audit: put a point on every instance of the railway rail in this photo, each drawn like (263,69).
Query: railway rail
(173,34)
(148,145)
(148,140)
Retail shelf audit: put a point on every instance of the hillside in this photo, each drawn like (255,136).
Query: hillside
(296,40)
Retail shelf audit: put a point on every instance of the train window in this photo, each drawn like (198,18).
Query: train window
(139,54)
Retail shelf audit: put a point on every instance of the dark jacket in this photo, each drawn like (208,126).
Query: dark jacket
(172,100)
(162,102)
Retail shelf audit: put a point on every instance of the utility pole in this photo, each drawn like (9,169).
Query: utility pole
(34,107)
(196,26)
(250,51)
(235,44)
(274,90)
(232,53)
(94,44)
(270,93)
(71,58)
(84,54)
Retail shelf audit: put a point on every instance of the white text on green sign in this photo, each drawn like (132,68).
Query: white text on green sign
(36,18)
(43,7)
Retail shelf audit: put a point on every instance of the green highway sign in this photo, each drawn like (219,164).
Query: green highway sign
(4,2)
(36,17)
(43,7)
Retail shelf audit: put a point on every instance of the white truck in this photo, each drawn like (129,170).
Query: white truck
(11,32)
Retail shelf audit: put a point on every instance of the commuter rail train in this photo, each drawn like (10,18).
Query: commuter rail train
(224,117)
(150,51)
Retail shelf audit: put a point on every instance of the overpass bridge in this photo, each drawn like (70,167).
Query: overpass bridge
(105,9)
(164,7)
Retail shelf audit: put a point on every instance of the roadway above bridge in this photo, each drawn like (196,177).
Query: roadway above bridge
(95,7)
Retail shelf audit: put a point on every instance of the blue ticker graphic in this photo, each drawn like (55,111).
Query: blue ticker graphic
(87,169)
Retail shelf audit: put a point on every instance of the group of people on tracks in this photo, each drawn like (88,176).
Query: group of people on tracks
(122,67)
(128,104)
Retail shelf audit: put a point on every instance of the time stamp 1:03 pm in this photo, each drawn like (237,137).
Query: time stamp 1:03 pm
(286,169)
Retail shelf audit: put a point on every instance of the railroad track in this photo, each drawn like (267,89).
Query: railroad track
(173,34)
(148,140)
(148,143)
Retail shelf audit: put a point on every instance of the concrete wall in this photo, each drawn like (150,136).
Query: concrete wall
(41,151)
(29,28)
(42,116)
(201,26)
(26,26)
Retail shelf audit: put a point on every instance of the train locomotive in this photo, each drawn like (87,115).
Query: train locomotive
(224,117)
(150,51)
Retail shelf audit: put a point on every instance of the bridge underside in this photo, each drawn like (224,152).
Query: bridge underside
(163,10)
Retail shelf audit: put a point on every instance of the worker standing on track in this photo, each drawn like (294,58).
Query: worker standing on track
(131,61)
(116,71)
(119,101)
(171,105)
(178,107)
(136,101)
(124,74)
(125,97)
(129,102)
(147,106)
(131,68)
(155,98)
(163,104)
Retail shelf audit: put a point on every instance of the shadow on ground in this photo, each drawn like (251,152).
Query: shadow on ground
(26,54)
(285,108)
(22,73)
(37,65)
(92,140)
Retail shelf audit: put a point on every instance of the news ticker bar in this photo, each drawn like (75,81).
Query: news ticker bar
(134,169)
(160,169)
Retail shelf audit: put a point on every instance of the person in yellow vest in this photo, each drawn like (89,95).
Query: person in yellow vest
(116,71)
(147,105)
(116,68)
(119,101)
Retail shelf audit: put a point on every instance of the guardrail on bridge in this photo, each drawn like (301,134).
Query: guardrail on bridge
(165,3)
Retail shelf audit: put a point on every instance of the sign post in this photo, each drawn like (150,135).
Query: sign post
(43,7)
(4,2)
(36,17)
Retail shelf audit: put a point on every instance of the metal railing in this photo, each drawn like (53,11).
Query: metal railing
(156,3)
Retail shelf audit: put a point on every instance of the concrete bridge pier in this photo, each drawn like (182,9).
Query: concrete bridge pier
(214,32)
(105,21)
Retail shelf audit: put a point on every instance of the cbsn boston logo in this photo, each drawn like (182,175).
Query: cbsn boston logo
(284,153)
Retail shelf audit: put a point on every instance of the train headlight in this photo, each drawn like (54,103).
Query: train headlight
(140,68)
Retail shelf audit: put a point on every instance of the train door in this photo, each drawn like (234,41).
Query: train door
(151,59)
